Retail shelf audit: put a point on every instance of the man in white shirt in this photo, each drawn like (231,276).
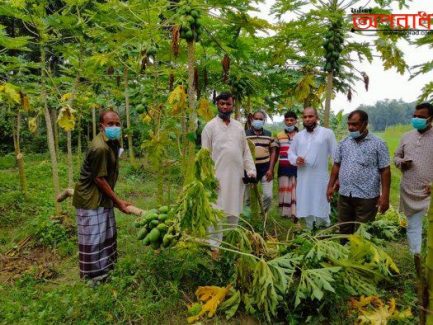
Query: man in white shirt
(310,151)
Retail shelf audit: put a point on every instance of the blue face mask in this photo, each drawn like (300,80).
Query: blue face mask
(258,124)
(354,134)
(113,132)
(290,128)
(419,123)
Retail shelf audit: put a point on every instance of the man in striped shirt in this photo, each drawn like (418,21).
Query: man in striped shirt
(265,155)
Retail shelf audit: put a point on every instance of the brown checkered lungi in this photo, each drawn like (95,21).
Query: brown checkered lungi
(97,241)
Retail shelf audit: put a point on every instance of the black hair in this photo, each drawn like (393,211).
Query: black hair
(224,96)
(103,113)
(427,106)
(261,112)
(290,114)
(362,115)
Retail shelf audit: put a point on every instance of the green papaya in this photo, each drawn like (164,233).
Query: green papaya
(151,216)
(142,233)
(167,240)
(154,223)
(163,217)
(146,240)
(162,227)
(154,235)
(195,13)
(189,34)
(163,209)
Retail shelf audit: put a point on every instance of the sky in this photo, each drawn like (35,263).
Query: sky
(387,84)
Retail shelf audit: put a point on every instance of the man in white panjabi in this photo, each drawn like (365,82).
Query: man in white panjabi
(225,138)
(310,151)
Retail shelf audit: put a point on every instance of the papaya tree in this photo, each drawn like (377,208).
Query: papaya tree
(15,100)
(326,23)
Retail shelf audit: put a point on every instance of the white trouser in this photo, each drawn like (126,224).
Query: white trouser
(266,196)
(216,233)
(320,222)
(414,231)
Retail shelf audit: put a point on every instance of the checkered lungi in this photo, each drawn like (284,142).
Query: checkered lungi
(97,241)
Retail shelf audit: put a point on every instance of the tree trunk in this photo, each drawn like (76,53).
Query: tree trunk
(79,149)
(128,119)
(192,113)
(18,155)
(50,135)
(329,82)
(69,133)
(429,263)
(70,160)
(53,116)
(238,110)
(93,122)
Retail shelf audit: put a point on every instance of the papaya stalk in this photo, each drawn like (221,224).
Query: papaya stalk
(49,124)
(128,118)
(192,116)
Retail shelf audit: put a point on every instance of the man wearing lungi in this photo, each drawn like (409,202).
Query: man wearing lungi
(94,199)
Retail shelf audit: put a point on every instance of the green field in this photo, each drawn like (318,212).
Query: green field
(39,278)
(392,138)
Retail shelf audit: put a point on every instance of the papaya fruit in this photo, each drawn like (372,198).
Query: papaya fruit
(163,209)
(162,227)
(154,223)
(166,240)
(146,240)
(142,233)
(154,235)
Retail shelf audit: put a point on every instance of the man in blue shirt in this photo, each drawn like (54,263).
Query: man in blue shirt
(361,165)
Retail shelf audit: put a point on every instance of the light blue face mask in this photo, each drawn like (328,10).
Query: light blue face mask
(258,124)
(113,132)
(354,134)
(289,128)
(419,123)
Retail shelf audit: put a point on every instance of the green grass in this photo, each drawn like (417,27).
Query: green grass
(392,138)
(145,288)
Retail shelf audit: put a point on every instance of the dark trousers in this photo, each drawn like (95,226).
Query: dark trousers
(355,209)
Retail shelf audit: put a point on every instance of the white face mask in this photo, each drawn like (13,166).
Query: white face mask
(289,128)
(258,124)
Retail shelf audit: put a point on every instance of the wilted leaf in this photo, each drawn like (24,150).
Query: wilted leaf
(66,119)
(11,92)
(33,124)
(204,110)
(177,99)
(374,312)
(66,97)
(212,296)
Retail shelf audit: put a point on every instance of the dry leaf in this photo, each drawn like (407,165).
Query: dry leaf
(33,125)
(212,296)
(373,311)
(177,99)
(66,119)
(204,110)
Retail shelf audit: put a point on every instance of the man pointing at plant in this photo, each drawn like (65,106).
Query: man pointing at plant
(95,199)
(225,138)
